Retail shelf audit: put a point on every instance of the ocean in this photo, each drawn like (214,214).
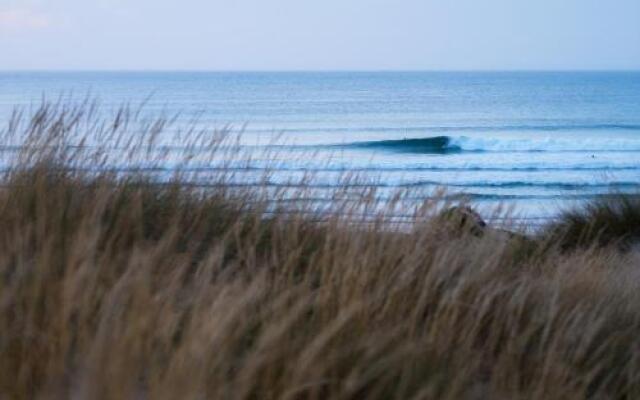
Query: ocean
(534,141)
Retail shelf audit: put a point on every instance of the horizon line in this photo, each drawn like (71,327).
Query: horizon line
(347,70)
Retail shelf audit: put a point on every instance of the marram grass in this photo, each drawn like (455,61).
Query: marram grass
(116,286)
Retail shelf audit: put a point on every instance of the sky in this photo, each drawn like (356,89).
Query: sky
(319,34)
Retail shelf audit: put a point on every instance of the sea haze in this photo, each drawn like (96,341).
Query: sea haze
(535,140)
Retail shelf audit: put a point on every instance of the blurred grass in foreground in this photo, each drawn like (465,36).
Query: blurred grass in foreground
(114,285)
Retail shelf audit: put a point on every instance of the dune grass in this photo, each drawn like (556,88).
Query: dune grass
(612,220)
(114,285)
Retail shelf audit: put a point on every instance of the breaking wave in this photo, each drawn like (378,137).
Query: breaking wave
(454,144)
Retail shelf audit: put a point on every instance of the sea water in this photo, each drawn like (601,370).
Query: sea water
(536,141)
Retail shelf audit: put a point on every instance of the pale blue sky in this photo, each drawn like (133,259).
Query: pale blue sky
(319,34)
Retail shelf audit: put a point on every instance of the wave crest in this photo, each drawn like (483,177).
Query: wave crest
(449,144)
(436,144)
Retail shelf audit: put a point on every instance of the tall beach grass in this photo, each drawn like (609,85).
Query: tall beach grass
(121,278)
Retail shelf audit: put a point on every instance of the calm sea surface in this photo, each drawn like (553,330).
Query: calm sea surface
(537,141)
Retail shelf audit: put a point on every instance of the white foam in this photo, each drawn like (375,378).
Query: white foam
(466,143)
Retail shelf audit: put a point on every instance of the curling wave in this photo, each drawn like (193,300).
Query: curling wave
(453,144)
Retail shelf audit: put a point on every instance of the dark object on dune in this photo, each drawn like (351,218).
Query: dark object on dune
(463,219)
